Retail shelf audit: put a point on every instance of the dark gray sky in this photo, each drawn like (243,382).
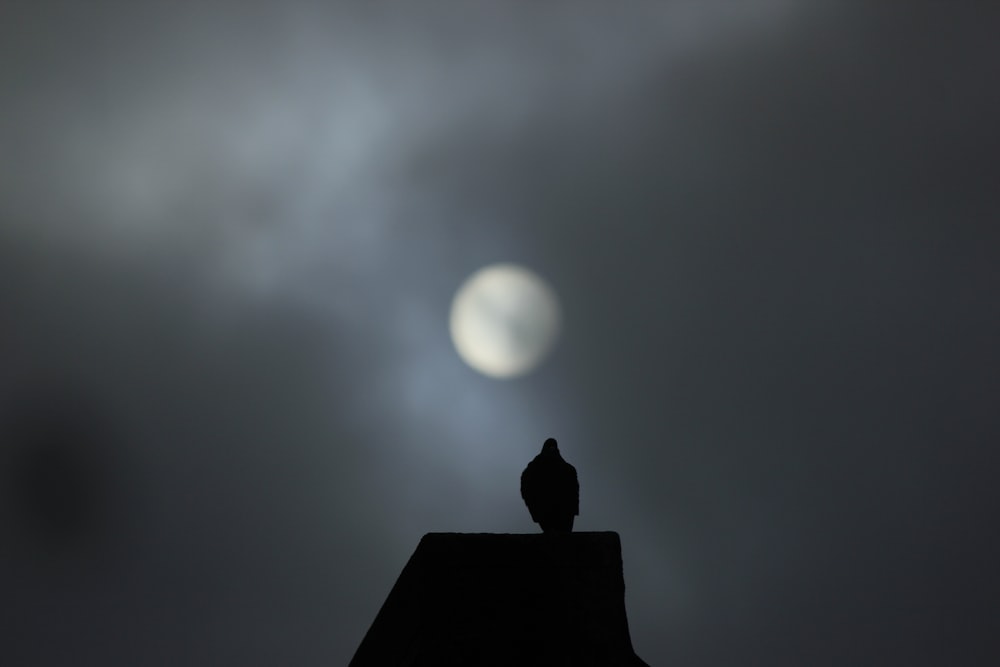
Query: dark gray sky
(229,238)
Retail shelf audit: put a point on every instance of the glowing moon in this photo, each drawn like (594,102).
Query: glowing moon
(504,320)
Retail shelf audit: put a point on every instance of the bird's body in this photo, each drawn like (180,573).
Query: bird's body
(551,491)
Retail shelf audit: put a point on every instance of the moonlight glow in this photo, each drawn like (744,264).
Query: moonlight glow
(504,320)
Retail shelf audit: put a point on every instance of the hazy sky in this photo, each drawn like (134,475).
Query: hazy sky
(229,239)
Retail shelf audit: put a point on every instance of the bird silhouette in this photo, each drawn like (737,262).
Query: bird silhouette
(551,491)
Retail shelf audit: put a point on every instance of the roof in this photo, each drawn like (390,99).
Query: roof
(499,599)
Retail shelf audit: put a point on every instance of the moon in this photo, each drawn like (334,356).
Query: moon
(504,320)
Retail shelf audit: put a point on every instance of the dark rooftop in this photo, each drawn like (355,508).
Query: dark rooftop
(492,599)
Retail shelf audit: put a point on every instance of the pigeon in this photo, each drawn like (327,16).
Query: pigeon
(551,491)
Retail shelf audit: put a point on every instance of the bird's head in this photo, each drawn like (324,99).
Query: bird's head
(550,446)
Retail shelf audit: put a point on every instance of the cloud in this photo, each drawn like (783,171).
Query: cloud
(238,234)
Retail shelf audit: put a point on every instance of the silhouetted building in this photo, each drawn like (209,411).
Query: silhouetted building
(474,599)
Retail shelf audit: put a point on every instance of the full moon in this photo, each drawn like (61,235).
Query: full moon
(504,320)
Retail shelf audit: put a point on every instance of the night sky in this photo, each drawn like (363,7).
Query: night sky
(229,240)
